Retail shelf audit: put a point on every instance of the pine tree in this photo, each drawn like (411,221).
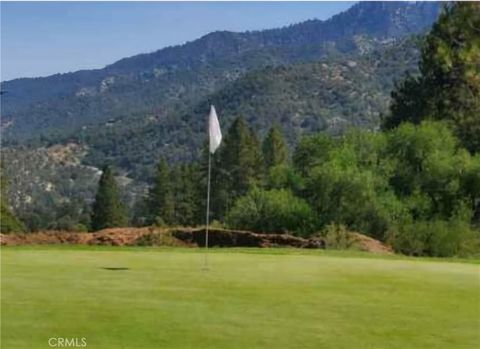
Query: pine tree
(275,151)
(108,211)
(185,194)
(160,199)
(449,85)
(9,223)
(237,167)
(241,156)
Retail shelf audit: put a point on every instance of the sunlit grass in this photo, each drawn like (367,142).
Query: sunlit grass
(248,298)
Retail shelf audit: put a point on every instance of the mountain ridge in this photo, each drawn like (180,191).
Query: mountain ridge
(225,46)
(314,24)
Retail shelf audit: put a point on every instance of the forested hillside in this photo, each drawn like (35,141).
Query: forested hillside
(305,78)
(330,95)
(158,82)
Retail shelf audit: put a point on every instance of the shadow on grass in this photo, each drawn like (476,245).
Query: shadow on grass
(114,269)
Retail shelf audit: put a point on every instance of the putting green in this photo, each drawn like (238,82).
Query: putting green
(245,300)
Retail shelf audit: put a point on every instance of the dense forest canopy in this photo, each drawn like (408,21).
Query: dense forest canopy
(448,87)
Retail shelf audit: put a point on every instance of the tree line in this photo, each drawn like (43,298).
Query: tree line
(415,187)
(414,184)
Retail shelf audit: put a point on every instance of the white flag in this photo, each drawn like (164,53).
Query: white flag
(214,130)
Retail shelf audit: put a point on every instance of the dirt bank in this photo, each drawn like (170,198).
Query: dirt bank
(181,237)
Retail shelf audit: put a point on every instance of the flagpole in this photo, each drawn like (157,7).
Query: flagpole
(208,199)
(207,218)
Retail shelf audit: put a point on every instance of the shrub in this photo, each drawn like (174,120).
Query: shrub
(159,222)
(338,237)
(430,172)
(8,222)
(357,198)
(284,177)
(439,238)
(271,211)
(216,224)
(80,227)
(158,239)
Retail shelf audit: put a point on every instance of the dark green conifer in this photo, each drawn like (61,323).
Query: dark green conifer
(236,168)
(185,194)
(275,151)
(9,223)
(449,85)
(241,156)
(108,210)
(160,200)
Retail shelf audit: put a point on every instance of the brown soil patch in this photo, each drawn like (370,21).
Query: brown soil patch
(151,236)
(366,243)
(239,238)
(111,237)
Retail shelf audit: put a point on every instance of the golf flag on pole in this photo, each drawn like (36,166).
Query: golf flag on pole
(215,139)
(214,130)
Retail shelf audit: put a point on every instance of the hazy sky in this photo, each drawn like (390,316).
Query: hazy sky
(43,38)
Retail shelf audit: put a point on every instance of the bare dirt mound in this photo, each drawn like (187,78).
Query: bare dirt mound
(45,237)
(194,237)
(155,237)
(111,237)
(366,243)
(239,238)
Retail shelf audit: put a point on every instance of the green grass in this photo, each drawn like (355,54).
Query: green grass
(248,298)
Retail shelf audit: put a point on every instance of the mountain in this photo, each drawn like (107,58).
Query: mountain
(156,82)
(329,95)
(313,76)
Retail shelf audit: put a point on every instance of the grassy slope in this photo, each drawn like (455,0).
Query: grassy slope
(245,300)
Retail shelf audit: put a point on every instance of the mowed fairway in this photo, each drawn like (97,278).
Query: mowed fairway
(247,299)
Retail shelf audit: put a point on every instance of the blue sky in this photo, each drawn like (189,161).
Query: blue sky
(43,38)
